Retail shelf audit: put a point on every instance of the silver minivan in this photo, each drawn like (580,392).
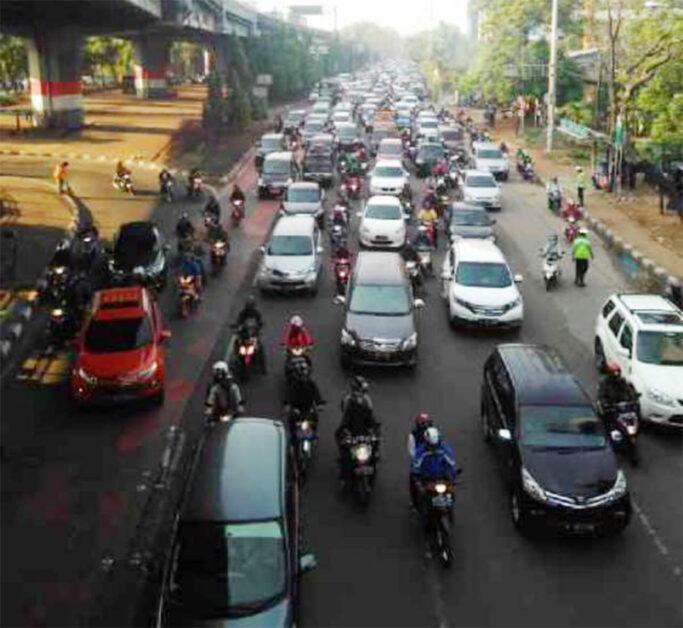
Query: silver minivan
(292,257)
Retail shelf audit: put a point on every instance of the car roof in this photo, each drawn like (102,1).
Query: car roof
(279,156)
(239,474)
(488,145)
(383,199)
(272,136)
(541,376)
(299,224)
(379,267)
(305,185)
(389,162)
(652,311)
(476,250)
(390,140)
(346,125)
(478,173)
(118,303)
(139,229)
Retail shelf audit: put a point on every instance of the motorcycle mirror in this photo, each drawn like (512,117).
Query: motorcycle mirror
(419,303)
(262,249)
(504,435)
(340,299)
(307,563)
(165,334)
(519,279)
(320,250)
(458,471)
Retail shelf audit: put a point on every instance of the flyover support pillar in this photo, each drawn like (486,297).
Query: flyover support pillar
(54,59)
(151,61)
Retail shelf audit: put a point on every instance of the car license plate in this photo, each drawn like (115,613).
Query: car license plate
(363,470)
(442,501)
(582,527)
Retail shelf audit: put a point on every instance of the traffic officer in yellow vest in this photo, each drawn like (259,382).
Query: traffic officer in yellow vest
(580,184)
(581,253)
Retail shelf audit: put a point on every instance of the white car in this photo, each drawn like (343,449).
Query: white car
(478,286)
(341,117)
(382,223)
(390,148)
(388,177)
(480,188)
(489,158)
(643,333)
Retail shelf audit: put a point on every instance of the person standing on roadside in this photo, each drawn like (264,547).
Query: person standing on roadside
(582,252)
(59,175)
(580,184)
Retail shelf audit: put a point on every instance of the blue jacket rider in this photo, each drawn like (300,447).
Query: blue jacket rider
(434,460)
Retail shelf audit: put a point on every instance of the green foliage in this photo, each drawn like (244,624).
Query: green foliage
(107,57)
(13,58)
(214,110)
(185,58)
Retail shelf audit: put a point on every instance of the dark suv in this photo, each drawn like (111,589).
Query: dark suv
(139,256)
(554,451)
(235,555)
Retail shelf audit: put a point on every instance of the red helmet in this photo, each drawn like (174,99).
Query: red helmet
(613,368)
(421,419)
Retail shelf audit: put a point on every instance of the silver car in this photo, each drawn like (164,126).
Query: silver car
(306,198)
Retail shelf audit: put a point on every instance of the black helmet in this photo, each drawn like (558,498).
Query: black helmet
(359,384)
(251,301)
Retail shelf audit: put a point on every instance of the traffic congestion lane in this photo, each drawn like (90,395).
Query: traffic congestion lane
(373,568)
(75,483)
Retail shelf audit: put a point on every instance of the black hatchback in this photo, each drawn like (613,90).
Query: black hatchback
(235,556)
(556,456)
(139,256)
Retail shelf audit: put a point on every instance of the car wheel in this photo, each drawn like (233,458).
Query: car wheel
(518,512)
(600,361)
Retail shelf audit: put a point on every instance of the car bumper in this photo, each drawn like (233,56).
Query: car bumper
(289,284)
(272,189)
(489,205)
(662,415)
(319,177)
(513,318)
(113,392)
(377,191)
(604,518)
(372,241)
(368,357)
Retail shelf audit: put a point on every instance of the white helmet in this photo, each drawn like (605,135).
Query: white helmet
(221,370)
(432,436)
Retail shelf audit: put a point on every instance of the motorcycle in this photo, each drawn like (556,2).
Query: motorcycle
(551,268)
(187,294)
(526,169)
(437,514)
(414,274)
(194,189)
(124,183)
(166,190)
(554,200)
(571,209)
(62,323)
(293,356)
(408,209)
(337,236)
(621,420)
(246,348)
(237,213)
(218,255)
(342,271)
(571,229)
(216,410)
(360,469)
(306,435)
(442,197)
(352,186)
(425,261)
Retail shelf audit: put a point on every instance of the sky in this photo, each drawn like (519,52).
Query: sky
(406,16)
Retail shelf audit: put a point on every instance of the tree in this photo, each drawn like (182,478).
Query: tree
(13,59)
(108,57)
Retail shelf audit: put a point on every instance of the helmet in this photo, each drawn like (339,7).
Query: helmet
(64,244)
(583,231)
(579,169)
(571,220)
(184,216)
(432,436)
(421,419)
(296,322)
(251,301)
(613,368)
(422,228)
(301,369)
(359,384)
(554,179)
(221,370)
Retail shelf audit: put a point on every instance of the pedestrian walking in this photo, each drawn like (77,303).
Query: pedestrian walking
(580,184)
(582,252)
(59,174)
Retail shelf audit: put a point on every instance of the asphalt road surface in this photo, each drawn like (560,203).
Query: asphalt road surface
(76,486)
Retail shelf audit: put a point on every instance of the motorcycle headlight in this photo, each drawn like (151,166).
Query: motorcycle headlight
(59,270)
(659,397)
(85,376)
(410,342)
(362,453)
(305,426)
(58,312)
(532,487)
(440,488)
(347,338)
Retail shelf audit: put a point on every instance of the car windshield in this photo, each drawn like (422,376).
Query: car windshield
(451,135)
(560,427)
(471,218)
(303,195)
(270,144)
(313,127)
(483,275)
(489,153)
(429,124)
(276,166)
(480,182)
(430,152)
(660,347)
(383,212)
(388,171)
(290,245)
(391,149)
(122,334)
(380,300)
(228,569)
(347,133)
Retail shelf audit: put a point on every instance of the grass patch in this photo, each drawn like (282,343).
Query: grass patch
(533,138)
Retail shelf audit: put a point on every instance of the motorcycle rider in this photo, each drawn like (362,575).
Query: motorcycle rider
(433,460)
(429,199)
(215,232)
(416,438)
(428,218)
(302,396)
(223,394)
(296,335)
(213,209)
(358,419)
(121,172)
(237,194)
(554,192)
(189,264)
(250,320)
(550,251)
(613,388)
(184,228)
(165,177)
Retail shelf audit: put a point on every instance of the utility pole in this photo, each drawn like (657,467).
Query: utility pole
(552,72)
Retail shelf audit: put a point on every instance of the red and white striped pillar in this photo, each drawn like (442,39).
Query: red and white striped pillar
(151,61)
(55,79)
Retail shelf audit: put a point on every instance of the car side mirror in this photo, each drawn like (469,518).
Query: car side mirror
(504,435)
(518,279)
(307,562)
(623,351)
(419,303)
(262,249)
(165,334)
(340,299)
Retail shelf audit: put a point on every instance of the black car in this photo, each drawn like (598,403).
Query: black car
(554,452)
(469,221)
(428,153)
(139,256)
(379,326)
(234,559)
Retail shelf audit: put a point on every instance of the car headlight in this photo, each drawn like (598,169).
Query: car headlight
(620,486)
(86,377)
(410,342)
(513,304)
(659,397)
(532,487)
(469,198)
(465,304)
(311,269)
(146,373)
(365,230)
(347,338)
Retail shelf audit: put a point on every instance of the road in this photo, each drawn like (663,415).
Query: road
(75,486)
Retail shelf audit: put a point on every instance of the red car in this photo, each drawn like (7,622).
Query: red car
(119,352)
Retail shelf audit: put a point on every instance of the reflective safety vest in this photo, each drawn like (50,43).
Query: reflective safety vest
(582,248)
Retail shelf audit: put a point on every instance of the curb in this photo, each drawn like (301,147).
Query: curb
(16,323)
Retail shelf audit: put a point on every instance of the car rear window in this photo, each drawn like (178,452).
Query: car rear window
(489,153)
(276,166)
(559,427)
(471,218)
(391,149)
(123,334)
(388,171)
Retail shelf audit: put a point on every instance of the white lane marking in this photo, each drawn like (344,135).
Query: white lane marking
(659,543)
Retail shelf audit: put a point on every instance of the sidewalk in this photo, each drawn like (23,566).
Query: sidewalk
(634,217)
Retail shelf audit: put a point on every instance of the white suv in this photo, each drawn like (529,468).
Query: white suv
(478,286)
(643,333)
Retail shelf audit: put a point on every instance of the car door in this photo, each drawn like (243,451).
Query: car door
(611,344)
(447,273)
(624,353)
